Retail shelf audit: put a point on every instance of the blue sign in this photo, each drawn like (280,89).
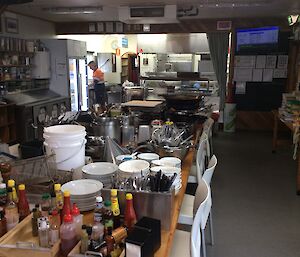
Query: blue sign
(125,42)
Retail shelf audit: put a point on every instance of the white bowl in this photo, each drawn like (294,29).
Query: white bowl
(134,166)
(168,161)
(125,157)
(148,156)
(99,169)
(166,170)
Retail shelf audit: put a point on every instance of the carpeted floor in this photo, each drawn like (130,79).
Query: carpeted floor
(256,211)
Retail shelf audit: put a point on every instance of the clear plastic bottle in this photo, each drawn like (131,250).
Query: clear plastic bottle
(54,227)
(108,217)
(11,211)
(84,240)
(43,231)
(68,235)
(46,204)
(35,215)
(77,217)
(98,227)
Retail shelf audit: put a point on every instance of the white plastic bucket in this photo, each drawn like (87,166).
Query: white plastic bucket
(67,142)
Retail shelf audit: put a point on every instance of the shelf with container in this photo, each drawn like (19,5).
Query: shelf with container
(16,63)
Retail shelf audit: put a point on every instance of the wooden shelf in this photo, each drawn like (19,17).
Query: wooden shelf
(16,80)
(16,65)
(17,53)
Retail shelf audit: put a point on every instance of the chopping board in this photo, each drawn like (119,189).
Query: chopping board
(138,103)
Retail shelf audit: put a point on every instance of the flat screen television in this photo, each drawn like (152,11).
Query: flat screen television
(256,39)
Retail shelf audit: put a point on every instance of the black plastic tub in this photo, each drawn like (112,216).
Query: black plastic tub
(31,149)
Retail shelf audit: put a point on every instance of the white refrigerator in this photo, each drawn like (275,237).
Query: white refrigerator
(78,84)
(68,61)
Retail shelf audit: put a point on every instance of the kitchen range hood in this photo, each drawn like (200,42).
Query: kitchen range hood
(11,2)
(148,15)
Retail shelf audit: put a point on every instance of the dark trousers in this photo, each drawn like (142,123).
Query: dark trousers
(100,94)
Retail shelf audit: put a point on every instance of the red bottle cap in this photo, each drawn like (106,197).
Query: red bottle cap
(68,218)
(54,212)
(75,210)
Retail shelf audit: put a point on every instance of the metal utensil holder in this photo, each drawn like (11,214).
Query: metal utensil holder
(156,205)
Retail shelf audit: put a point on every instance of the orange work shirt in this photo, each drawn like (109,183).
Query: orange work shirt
(98,76)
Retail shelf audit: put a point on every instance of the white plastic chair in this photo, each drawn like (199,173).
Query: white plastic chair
(208,173)
(190,244)
(208,129)
(186,215)
(203,153)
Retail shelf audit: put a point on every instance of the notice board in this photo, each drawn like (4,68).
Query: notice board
(260,83)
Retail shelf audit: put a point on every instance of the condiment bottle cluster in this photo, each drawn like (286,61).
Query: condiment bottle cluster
(108,233)
(56,219)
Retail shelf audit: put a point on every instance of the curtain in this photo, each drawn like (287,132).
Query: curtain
(218,46)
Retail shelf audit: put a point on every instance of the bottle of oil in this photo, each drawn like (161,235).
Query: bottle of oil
(11,211)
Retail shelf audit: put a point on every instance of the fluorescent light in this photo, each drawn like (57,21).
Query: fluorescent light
(74,10)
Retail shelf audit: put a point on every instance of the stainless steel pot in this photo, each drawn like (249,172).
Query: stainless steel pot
(179,152)
(106,126)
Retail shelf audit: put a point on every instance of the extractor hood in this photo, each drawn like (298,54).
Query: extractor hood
(148,15)
(11,2)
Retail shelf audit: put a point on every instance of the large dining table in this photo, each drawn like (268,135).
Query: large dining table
(166,235)
(278,119)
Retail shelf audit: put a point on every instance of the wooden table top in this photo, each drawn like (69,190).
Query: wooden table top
(167,236)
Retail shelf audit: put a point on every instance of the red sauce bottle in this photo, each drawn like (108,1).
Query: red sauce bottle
(130,216)
(23,203)
(67,205)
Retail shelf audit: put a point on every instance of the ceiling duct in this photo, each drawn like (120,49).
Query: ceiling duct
(148,15)
(188,12)
(12,2)
(74,10)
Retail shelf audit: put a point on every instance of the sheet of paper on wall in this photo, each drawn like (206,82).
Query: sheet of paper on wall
(260,61)
(280,73)
(282,61)
(257,75)
(271,61)
(267,75)
(245,61)
(242,74)
(240,88)
(60,67)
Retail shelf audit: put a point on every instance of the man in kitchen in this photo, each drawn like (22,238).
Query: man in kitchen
(99,86)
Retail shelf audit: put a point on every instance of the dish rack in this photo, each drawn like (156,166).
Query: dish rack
(39,174)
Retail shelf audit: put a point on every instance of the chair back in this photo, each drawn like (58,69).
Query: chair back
(202,155)
(208,173)
(207,128)
(200,221)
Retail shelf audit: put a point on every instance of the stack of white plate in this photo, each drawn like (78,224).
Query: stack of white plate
(134,168)
(101,171)
(168,161)
(83,192)
(169,171)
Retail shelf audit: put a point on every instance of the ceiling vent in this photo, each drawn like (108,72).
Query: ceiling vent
(148,15)
(11,2)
